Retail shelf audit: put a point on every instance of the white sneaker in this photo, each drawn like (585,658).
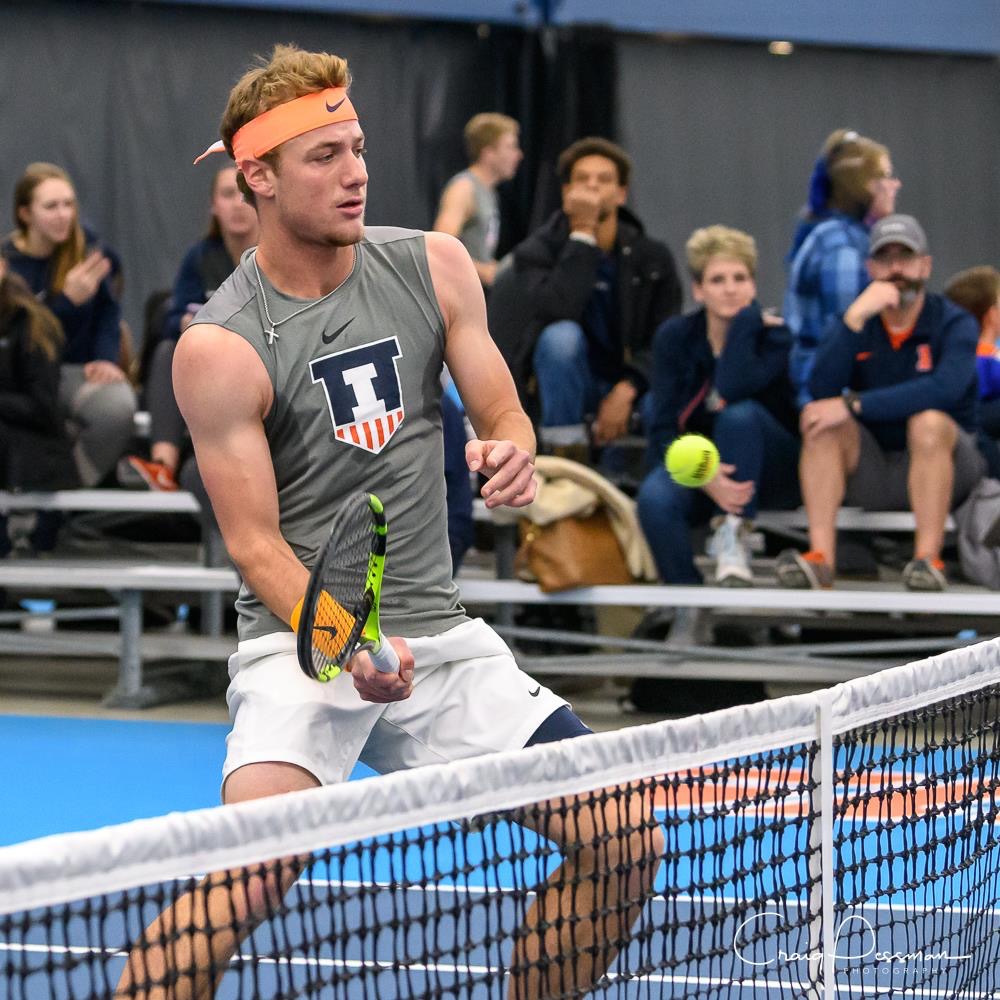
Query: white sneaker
(691,627)
(730,545)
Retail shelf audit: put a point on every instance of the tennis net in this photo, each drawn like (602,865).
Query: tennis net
(840,843)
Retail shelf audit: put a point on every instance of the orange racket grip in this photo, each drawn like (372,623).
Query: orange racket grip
(332,625)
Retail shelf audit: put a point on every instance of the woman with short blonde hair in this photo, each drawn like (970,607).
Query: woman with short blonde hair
(720,371)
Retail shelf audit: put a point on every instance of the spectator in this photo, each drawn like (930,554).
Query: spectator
(469,206)
(977,291)
(35,453)
(582,298)
(828,270)
(839,144)
(458,486)
(721,371)
(231,231)
(49,251)
(893,421)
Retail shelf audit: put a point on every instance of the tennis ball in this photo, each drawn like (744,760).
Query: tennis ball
(692,460)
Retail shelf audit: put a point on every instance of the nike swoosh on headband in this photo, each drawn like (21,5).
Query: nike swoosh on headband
(286,121)
(329,338)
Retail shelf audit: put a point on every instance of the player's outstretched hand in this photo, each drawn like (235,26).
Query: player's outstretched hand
(378,687)
(510,470)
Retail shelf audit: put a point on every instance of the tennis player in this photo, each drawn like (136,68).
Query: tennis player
(314,372)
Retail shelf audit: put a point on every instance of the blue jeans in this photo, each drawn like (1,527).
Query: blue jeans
(567,388)
(569,391)
(760,447)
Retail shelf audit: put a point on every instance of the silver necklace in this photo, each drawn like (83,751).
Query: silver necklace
(271,324)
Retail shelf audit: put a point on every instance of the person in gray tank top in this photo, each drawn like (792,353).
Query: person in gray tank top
(470,209)
(312,373)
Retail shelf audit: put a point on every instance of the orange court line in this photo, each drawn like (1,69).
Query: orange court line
(780,792)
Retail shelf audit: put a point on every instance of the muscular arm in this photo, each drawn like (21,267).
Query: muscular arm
(506,441)
(457,206)
(224,394)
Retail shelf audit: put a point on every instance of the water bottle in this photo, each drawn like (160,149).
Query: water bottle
(40,615)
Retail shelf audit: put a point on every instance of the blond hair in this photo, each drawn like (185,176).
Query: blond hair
(288,74)
(483,130)
(72,250)
(852,163)
(719,241)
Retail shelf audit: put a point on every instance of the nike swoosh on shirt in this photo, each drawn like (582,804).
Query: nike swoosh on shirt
(337,105)
(534,694)
(329,338)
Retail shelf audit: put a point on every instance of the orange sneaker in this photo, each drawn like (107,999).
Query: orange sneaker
(803,570)
(137,473)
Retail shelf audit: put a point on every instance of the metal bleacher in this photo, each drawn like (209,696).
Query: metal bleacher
(846,607)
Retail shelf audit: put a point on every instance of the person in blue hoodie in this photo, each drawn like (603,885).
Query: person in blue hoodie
(721,371)
(893,422)
(855,186)
(839,144)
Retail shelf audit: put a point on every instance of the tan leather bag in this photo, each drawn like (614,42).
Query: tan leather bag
(571,552)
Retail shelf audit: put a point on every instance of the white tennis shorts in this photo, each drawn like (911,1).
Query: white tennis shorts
(469,698)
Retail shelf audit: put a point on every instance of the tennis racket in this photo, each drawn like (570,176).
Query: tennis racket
(341,606)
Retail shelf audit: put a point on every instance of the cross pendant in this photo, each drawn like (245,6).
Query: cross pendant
(271,335)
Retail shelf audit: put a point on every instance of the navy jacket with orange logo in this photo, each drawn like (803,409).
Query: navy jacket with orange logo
(933,369)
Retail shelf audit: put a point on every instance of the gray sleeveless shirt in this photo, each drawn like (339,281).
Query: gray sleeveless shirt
(357,392)
(482,232)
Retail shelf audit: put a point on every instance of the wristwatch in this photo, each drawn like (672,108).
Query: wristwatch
(853,401)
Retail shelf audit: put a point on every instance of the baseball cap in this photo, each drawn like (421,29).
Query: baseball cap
(902,229)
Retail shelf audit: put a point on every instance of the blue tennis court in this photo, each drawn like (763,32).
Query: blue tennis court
(385,909)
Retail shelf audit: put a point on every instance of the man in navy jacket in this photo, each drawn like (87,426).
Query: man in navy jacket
(580,300)
(893,421)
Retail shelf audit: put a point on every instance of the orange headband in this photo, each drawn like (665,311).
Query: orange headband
(271,128)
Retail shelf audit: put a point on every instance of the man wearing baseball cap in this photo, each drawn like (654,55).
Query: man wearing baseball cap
(893,421)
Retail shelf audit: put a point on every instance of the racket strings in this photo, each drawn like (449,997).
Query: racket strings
(342,598)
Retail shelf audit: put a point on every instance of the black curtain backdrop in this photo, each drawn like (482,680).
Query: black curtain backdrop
(125,96)
(566,90)
(559,84)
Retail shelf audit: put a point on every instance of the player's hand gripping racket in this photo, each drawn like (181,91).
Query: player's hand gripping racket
(341,605)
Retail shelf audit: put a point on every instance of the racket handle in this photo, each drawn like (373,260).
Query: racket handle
(384,656)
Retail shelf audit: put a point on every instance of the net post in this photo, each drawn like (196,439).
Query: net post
(822,933)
